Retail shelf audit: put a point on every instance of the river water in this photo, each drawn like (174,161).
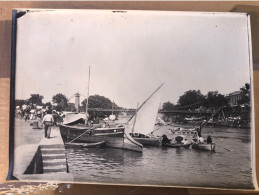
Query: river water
(229,167)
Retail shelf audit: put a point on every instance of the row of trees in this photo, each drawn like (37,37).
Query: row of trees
(60,102)
(213,100)
(191,99)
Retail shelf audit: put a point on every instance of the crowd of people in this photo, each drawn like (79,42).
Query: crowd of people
(197,138)
(46,117)
(39,113)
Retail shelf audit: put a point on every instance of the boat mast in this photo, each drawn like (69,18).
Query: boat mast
(87,98)
(134,122)
(112,106)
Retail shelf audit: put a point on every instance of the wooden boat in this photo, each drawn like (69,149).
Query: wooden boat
(87,145)
(204,146)
(112,136)
(146,140)
(142,123)
(75,129)
(176,145)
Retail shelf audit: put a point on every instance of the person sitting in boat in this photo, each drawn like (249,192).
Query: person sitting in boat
(151,135)
(178,139)
(209,140)
(165,139)
(201,140)
(185,141)
(195,137)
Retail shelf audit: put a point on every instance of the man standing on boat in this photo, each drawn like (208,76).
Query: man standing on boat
(209,140)
(47,121)
(198,135)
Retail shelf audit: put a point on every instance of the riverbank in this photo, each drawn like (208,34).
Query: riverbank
(36,157)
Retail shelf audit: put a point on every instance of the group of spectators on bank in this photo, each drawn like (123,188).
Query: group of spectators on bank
(38,114)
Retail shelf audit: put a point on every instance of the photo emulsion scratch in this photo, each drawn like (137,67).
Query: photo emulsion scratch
(133,97)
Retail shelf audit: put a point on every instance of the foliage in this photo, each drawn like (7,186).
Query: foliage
(36,99)
(19,102)
(191,99)
(168,106)
(48,104)
(101,102)
(97,101)
(245,91)
(61,101)
(215,100)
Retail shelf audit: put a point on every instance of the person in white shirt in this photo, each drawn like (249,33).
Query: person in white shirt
(47,121)
(185,141)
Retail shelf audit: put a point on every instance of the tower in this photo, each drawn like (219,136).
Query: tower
(77,101)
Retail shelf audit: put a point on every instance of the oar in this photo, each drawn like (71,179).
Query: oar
(227,149)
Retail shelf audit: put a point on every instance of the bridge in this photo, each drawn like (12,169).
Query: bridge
(168,112)
(159,111)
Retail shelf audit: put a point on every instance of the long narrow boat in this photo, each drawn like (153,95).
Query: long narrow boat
(176,145)
(116,137)
(146,140)
(87,145)
(204,146)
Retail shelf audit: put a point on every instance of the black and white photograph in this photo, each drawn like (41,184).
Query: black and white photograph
(154,98)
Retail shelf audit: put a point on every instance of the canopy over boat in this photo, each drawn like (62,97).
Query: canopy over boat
(73,117)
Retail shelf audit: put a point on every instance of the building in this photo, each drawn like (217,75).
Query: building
(234,98)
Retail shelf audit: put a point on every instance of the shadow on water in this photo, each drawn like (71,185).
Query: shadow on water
(104,154)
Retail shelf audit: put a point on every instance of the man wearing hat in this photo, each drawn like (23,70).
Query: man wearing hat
(47,121)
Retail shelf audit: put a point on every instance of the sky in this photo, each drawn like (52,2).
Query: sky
(130,53)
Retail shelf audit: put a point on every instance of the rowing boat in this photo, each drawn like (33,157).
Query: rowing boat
(87,145)
(176,145)
(204,146)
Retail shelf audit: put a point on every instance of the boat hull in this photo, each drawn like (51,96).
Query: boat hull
(149,141)
(87,145)
(113,136)
(186,146)
(207,147)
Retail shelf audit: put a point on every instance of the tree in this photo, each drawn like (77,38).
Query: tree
(101,102)
(48,104)
(245,89)
(191,99)
(245,92)
(214,100)
(168,106)
(97,101)
(61,101)
(36,99)
(19,102)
